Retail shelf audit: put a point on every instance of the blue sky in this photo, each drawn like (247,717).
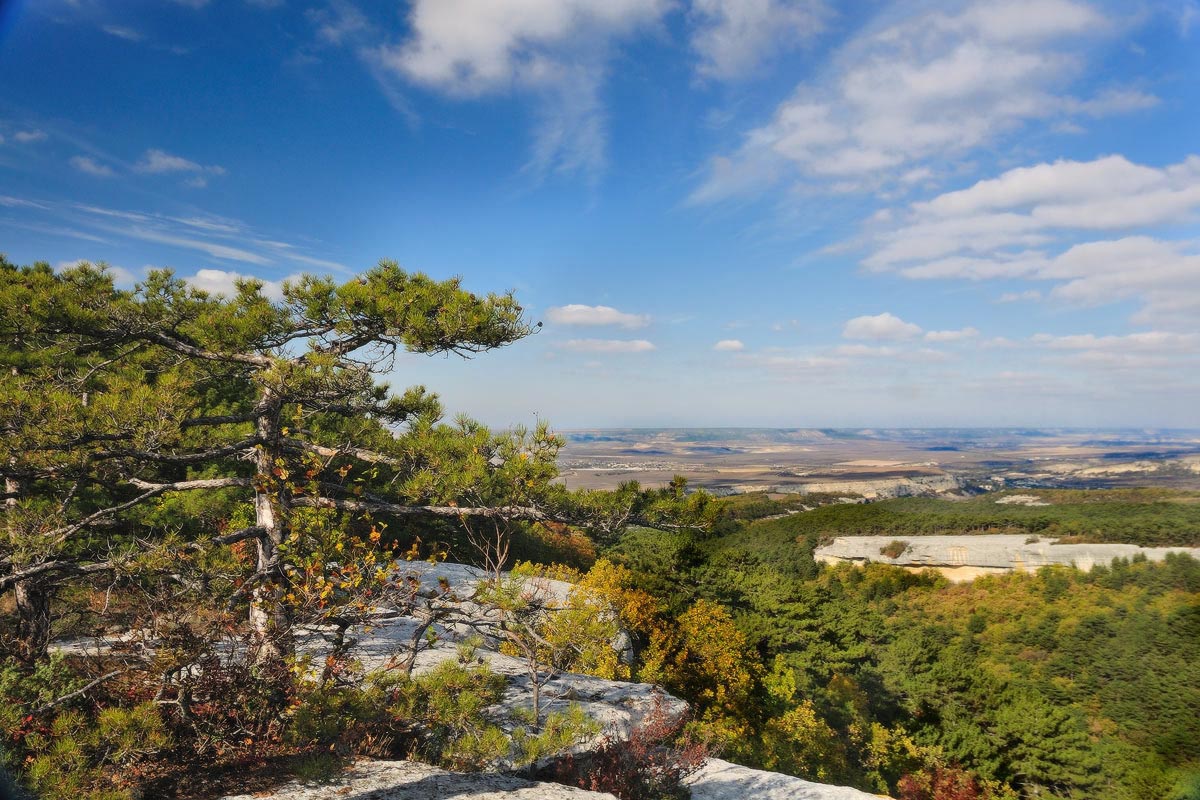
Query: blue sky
(726,212)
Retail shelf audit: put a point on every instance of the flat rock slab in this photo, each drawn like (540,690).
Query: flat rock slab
(721,780)
(409,780)
(999,551)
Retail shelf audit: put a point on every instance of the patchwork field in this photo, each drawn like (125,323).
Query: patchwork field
(877,463)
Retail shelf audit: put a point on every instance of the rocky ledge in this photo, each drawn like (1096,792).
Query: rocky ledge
(407,780)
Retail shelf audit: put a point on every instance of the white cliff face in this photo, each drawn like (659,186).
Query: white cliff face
(870,488)
(721,780)
(966,557)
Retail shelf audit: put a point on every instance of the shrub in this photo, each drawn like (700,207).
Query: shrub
(650,765)
(895,548)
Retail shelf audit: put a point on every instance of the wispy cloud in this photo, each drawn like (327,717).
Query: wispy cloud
(122,32)
(89,166)
(28,137)
(214,236)
(734,37)
(553,51)
(729,346)
(160,162)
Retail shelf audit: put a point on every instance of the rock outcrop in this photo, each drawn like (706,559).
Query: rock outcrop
(408,780)
(969,556)
(721,780)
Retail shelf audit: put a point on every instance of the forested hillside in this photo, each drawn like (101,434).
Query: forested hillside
(1055,684)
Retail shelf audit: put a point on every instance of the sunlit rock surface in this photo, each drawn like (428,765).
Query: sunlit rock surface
(968,557)
(721,780)
(408,780)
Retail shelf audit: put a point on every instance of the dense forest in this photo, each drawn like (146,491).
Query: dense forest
(1054,684)
(193,479)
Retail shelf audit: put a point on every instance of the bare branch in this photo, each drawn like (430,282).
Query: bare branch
(47,567)
(333,452)
(171,343)
(71,696)
(380,507)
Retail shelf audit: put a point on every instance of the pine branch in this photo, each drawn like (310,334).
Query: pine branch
(527,513)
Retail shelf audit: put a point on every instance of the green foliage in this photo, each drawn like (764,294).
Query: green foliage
(75,755)
(1149,517)
(446,706)
(559,731)
(1054,684)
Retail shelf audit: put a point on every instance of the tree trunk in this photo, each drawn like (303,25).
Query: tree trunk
(33,619)
(33,598)
(270,616)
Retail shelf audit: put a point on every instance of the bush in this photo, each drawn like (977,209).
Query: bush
(650,765)
(895,548)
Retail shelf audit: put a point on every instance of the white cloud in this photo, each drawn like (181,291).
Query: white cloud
(1165,353)
(159,162)
(1027,224)
(733,37)
(219,281)
(924,87)
(8,201)
(555,49)
(952,336)
(339,23)
(576,314)
(197,4)
(881,327)
(1018,297)
(729,346)
(608,346)
(27,137)
(92,167)
(1145,341)
(121,276)
(121,32)
(863,351)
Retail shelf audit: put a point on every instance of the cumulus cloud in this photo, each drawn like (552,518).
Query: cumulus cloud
(120,275)
(931,84)
(729,346)
(733,37)
(881,327)
(608,345)
(219,281)
(89,166)
(576,314)
(1026,224)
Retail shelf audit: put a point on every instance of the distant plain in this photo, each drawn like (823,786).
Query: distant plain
(879,462)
